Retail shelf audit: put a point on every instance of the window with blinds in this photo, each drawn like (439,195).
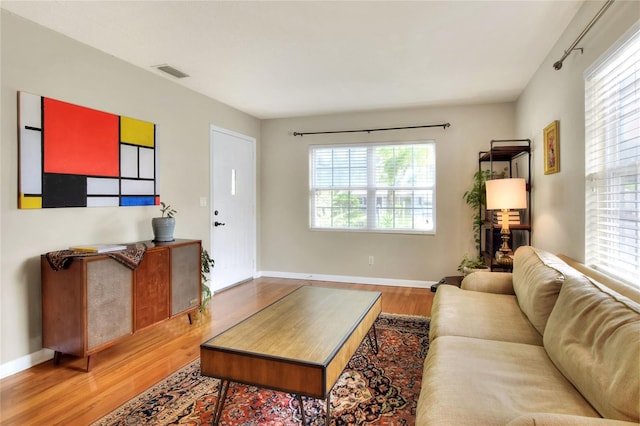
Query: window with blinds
(612,119)
(373,187)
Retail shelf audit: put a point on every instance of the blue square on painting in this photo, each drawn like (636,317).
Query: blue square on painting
(138,201)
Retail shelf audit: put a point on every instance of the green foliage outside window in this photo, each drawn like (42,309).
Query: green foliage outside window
(373,186)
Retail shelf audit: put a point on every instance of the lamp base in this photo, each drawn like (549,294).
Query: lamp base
(504,258)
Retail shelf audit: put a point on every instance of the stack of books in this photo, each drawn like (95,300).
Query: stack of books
(98,248)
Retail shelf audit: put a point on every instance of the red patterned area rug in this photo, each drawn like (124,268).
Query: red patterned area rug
(379,389)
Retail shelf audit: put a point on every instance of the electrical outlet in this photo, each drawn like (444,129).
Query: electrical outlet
(203,201)
(370,260)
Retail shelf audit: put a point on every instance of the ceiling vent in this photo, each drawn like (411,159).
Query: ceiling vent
(172,71)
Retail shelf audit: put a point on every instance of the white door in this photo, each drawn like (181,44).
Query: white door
(233,207)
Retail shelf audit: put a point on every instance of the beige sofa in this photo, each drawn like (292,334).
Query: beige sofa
(546,345)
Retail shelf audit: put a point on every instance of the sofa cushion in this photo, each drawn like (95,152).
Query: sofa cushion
(489,282)
(470,381)
(546,419)
(593,337)
(537,282)
(458,312)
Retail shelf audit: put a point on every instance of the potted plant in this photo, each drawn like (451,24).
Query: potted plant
(476,198)
(164,226)
(468,266)
(206,264)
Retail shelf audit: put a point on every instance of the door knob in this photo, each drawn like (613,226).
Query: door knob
(216,223)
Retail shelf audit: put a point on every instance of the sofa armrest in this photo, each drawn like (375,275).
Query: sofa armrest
(542,419)
(489,282)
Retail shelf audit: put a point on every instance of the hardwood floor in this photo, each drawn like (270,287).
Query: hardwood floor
(67,395)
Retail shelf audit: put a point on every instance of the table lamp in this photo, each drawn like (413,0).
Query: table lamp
(505,194)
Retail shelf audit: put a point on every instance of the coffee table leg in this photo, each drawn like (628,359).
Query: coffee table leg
(223,387)
(373,342)
(328,410)
(302,417)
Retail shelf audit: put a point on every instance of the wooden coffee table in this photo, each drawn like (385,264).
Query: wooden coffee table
(299,344)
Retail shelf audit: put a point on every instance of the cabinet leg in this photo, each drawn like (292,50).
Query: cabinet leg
(90,362)
(56,357)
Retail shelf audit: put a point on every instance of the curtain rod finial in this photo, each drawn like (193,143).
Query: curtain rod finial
(557,65)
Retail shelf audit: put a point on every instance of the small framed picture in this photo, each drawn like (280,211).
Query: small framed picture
(551,148)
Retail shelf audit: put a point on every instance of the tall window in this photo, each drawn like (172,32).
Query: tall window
(612,114)
(375,187)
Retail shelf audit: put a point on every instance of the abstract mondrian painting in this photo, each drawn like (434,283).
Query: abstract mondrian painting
(73,156)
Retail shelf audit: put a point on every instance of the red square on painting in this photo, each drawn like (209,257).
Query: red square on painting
(79,140)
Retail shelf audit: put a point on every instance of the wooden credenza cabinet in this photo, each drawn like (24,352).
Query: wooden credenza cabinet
(96,300)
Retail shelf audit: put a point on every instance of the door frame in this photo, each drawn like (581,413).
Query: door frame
(254,225)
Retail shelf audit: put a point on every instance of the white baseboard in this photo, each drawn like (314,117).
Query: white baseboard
(27,361)
(348,279)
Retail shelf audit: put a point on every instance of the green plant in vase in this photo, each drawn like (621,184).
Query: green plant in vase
(164,226)
(167,210)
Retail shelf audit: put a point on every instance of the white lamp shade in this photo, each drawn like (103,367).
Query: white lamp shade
(506,194)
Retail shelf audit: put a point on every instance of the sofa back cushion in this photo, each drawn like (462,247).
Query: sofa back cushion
(536,282)
(593,337)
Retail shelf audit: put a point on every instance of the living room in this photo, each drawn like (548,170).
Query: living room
(41,61)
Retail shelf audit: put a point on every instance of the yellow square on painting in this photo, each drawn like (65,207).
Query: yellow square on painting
(137,132)
(30,202)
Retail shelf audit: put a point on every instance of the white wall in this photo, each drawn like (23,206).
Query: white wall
(39,61)
(287,244)
(558,199)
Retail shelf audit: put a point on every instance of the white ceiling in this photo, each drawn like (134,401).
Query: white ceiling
(282,59)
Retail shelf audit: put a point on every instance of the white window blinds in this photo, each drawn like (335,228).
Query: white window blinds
(381,187)
(612,119)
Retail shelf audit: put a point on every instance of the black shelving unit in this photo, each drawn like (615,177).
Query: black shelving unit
(508,153)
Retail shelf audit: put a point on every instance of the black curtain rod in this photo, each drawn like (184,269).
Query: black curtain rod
(444,126)
(584,32)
